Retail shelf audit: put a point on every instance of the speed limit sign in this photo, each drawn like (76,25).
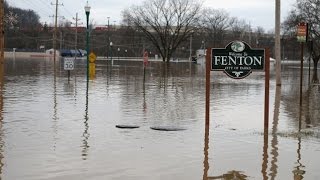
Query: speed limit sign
(68,63)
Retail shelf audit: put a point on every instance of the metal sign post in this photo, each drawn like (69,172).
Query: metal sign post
(145,63)
(302,37)
(68,65)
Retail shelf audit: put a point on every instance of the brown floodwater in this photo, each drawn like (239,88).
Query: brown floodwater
(55,128)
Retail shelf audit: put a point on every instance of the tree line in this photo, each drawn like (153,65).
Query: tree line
(307,11)
(168,28)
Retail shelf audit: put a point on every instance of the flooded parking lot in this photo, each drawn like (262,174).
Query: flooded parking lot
(55,128)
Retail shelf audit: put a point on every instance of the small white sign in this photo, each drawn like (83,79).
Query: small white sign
(68,63)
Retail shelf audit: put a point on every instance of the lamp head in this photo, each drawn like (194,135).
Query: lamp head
(87,8)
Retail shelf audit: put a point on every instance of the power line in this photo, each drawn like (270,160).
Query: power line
(45,3)
(32,6)
(67,11)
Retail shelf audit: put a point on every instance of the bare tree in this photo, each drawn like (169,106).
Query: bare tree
(259,33)
(166,23)
(215,23)
(239,28)
(307,11)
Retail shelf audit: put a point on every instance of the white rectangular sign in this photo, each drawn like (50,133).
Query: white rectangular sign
(68,63)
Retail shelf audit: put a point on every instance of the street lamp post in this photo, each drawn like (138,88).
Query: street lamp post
(111,53)
(108,39)
(87,10)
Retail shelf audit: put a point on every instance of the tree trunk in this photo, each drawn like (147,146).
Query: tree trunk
(168,58)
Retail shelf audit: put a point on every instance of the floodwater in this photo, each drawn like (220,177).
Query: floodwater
(55,128)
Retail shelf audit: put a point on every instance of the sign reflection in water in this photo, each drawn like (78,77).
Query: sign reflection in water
(1,119)
(173,96)
(299,168)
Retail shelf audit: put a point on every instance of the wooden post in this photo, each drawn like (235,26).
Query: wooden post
(277,41)
(266,91)
(208,69)
(68,75)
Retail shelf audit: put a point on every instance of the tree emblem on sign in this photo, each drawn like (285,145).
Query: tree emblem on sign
(238,46)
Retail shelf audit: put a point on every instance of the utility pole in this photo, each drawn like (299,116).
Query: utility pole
(108,38)
(52,16)
(1,32)
(76,35)
(277,43)
(61,39)
(55,30)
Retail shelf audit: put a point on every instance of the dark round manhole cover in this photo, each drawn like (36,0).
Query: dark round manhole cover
(167,128)
(127,126)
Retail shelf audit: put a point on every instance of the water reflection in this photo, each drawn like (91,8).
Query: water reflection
(172,97)
(206,153)
(1,118)
(310,102)
(55,109)
(298,171)
(274,141)
(144,104)
(86,134)
(230,175)
(265,155)
(310,110)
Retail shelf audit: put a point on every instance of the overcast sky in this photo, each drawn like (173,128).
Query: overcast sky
(255,12)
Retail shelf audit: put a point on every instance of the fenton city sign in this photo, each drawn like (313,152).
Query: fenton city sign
(237,60)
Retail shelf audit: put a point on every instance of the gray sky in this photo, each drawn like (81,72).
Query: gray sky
(255,12)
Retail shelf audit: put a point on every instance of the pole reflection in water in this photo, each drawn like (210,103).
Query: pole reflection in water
(265,154)
(55,104)
(230,175)
(1,118)
(205,152)
(298,171)
(28,151)
(144,105)
(274,141)
(86,135)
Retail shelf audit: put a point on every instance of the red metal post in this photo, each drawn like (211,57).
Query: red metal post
(301,74)
(266,91)
(208,69)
